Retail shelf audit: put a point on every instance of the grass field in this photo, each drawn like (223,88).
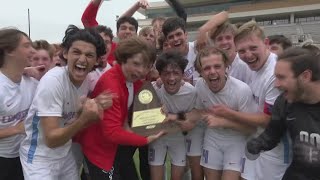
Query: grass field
(136,162)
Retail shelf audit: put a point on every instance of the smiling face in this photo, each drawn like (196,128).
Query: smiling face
(177,39)
(23,53)
(225,42)
(126,30)
(253,51)
(135,68)
(81,58)
(149,37)
(213,71)
(286,81)
(171,77)
(42,57)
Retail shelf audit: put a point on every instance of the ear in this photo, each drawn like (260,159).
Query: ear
(306,75)
(65,54)
(267,42)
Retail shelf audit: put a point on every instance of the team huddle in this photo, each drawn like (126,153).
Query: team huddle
(248,105)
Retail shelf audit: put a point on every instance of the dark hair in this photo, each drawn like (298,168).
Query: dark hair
(89,35)
(312,48)
(301,60)
(171,58)
(134,45)
(280,39)
(161,40)
(130,20)
(207,52)
(106,30)
(43,44)
(9,41)
(172,24)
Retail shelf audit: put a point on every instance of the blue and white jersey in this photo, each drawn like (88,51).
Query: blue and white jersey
(15,101)
(56,96)
(265,94)
(190,71)
(235,94)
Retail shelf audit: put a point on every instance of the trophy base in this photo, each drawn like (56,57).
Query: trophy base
(152,129)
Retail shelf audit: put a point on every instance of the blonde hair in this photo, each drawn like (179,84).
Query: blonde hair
(225,27)
(247,29)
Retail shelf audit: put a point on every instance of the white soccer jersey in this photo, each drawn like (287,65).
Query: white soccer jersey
(190,71)
(55,96)
(265,94)
(240,70)
(15,101)
(235,95)
(182,101)
(262,83)
(96,74)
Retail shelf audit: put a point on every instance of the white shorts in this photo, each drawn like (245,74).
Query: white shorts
(263,169)
(174,144)
(62,169)
(222,153)
(194,140)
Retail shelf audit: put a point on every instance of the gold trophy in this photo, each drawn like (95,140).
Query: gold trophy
(147,118)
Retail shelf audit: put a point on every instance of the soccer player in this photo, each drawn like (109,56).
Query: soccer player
(16,95)
(278,43)
(54,116)
(252,47)
(174,30)
(296,110)
(224,139)
(176,98)
(223,38)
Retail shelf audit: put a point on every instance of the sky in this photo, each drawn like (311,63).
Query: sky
(50,18)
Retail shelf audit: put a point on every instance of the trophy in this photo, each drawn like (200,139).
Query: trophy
(147,118)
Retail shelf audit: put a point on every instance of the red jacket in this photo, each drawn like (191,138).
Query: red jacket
(100,141)
(89,20)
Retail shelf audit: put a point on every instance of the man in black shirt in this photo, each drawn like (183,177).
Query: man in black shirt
(296,110)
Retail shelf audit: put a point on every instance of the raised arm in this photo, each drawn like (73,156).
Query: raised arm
(178,8)
(211,25)
(89,15)
(135,7)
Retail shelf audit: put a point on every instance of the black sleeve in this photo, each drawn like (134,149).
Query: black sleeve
(178,8)
(273,132)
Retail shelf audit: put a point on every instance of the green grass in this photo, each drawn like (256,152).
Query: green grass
(137,163)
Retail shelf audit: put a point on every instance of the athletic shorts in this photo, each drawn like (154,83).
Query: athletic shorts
(173,144)
(62,169)
(222,153)
(263,169)
(194,140)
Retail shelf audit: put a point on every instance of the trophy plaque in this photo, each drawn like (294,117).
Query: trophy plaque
(147,118)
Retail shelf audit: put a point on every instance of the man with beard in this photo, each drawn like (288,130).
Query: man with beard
(296,110)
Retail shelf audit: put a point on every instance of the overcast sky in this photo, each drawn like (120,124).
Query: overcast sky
(49,18)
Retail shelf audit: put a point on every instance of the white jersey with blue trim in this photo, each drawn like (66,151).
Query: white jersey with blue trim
(15,101)
(182,101)
(56,96)
(235,94)
(265,94)
(190,71)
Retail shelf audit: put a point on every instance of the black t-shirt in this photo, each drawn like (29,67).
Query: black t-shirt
(302,121)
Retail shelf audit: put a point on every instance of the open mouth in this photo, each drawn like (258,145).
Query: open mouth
(252,61)
(80,69)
